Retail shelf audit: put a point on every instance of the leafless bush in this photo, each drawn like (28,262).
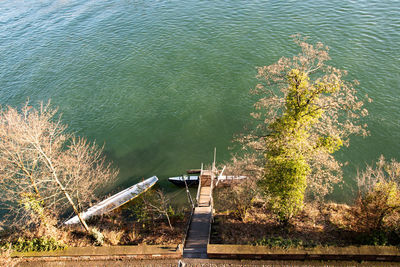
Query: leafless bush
(237,198)
(248,165)
(378,203)
(158,205)
(44,169)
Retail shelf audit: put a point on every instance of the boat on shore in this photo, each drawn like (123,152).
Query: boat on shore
(115,201)
(193,180)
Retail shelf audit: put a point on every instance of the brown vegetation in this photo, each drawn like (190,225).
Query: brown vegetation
(327,224)
(47,172)
(134,223)
(118,229)
(373,218)
(377,206)
(305,112)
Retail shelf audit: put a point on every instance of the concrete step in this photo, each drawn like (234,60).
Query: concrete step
(196,243)
(196,249)
(197,234)
(195,255)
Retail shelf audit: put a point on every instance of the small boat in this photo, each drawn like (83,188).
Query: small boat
(194,180)
(193,171)
(180,180)
(116,200)
(224,178)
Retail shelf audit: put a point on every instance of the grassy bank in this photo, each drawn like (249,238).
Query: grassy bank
(328,224)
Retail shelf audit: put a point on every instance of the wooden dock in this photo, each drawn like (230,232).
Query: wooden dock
(199,229)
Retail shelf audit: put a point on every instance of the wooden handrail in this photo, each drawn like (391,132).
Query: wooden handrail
(198,192)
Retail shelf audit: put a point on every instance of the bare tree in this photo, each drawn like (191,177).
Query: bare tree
(45,167)
(236,198)
(158,203)
(247,164)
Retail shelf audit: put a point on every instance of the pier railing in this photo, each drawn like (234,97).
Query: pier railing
(187,228)
(199,186)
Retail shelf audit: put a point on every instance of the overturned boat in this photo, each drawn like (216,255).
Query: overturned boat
(116,200)
(193,180)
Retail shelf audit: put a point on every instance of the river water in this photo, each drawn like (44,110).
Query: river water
(164,82)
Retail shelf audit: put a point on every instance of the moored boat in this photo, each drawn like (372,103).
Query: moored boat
(193,171)
(194,180)
(191,180)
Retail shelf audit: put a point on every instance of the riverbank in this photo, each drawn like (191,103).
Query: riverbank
(328,224)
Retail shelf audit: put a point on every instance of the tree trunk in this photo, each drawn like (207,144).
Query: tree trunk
(55,177)
(169,221)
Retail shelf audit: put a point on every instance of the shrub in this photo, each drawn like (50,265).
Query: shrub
(378,204)
(114,237)
(35,244)
(237,199)
(97,237)
(279,242)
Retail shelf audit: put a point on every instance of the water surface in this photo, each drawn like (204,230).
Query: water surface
(164,82)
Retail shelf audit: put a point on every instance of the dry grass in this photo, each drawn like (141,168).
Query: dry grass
(114,237)
(121,230)
(117,230)
(6,260)
(326,224)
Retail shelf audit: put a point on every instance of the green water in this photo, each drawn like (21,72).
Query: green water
(164,82)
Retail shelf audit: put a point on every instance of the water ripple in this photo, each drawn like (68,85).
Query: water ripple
(172,76)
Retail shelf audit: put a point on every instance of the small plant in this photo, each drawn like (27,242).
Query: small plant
(97,236)
(114,237)
(279,242)
(374,238)
(31,202)
(139,213)
(176,214)
(35,244)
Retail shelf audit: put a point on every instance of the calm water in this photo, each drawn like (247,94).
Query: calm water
(163,82)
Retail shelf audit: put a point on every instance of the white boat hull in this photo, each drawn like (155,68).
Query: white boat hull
(116,200)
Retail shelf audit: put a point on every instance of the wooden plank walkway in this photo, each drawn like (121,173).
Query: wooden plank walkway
(196,242)
(204,200)
(197,238)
